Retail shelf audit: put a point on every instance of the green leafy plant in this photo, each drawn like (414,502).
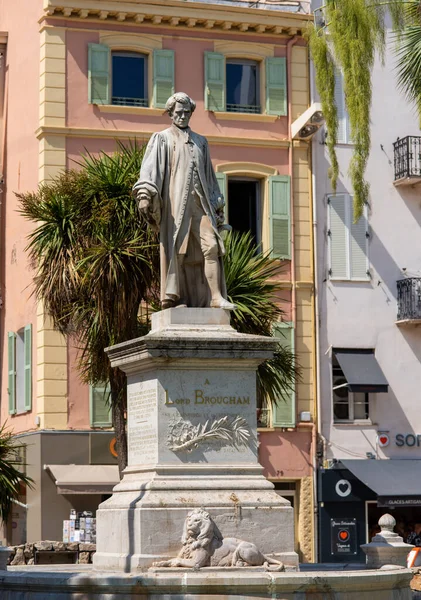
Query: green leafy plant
(11,477)
(350,36)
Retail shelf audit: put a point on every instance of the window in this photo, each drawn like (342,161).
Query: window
(99,406)
(344,133)
(244,209)
(235,85)
(245,200)
(348,241)
(243,93)
(20,370)
(347,405)
(129,79)
(121,78)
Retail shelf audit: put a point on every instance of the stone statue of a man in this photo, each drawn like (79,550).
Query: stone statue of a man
(179,196)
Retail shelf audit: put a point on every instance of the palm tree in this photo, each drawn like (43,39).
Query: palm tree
(11,478)
(96,263)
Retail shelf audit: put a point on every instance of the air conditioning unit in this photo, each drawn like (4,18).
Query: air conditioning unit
(308,123)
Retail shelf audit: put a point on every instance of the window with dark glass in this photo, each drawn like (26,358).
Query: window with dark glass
(129,79)
(347,405)
(242,86)
(244,212)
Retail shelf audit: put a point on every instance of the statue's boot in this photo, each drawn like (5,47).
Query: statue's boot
(212,273)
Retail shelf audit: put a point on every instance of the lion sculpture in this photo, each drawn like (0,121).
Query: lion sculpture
(204,546)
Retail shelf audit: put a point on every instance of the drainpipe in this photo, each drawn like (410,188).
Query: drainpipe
(313,158)
(290,44)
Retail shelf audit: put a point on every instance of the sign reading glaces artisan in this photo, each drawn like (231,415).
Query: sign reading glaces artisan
(343,535)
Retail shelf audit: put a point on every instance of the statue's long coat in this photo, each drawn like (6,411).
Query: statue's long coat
(167,174)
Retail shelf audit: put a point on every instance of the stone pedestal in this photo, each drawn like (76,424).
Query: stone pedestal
(192,442)
(387,547)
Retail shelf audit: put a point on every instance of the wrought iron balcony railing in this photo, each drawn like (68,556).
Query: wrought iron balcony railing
(407,158)
(409,299)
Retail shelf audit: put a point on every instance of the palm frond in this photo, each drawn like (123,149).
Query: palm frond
(11,477)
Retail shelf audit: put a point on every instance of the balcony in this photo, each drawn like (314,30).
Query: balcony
(407,159)
(409,301)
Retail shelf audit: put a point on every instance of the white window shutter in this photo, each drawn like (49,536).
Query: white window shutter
(338,237)
(359,246)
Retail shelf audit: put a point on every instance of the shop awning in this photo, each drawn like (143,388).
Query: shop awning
(362,371)
(388,477)
(84,479)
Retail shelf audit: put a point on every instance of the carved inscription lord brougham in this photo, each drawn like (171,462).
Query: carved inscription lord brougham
(204,397)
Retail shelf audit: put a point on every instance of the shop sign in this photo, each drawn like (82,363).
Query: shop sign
(408,439)
(343,535)
(398,501)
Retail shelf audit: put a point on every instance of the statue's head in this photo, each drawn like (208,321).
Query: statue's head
(180,108)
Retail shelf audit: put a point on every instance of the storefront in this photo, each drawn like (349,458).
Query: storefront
(72,471)
(354,494)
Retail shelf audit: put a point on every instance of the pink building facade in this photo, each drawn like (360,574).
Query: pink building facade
(60,95)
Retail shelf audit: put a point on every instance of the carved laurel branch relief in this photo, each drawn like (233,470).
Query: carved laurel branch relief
(184,436)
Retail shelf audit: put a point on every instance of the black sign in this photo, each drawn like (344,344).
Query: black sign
(343,536)
(398,501)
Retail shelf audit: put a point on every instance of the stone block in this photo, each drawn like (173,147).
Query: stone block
(86,547)
(73,546)
(19,558)
(28,550)
(84,558)
(59,546)
(43,545)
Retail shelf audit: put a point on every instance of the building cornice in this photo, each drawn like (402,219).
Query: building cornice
(84,132)
(194,15)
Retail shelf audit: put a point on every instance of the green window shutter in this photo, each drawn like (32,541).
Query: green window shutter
(27,341)
(280,216)
(214,81)
(338,237)
(11,354)
(222,182)
(276,86)
(163,77)
(100,408)
(99,69)
(359,266)
(283,413)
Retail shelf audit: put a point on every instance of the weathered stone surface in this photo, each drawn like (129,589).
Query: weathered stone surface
(85,547)
(19,558)
(28,550)
(31,561)
(27,583)
(72,546)
(387,547)
(192,442)
(84,558)
(47,545)
(59,546)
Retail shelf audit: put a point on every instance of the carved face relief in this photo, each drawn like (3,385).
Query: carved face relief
(181,115)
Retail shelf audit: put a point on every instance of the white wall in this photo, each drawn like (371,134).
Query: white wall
(363,315)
